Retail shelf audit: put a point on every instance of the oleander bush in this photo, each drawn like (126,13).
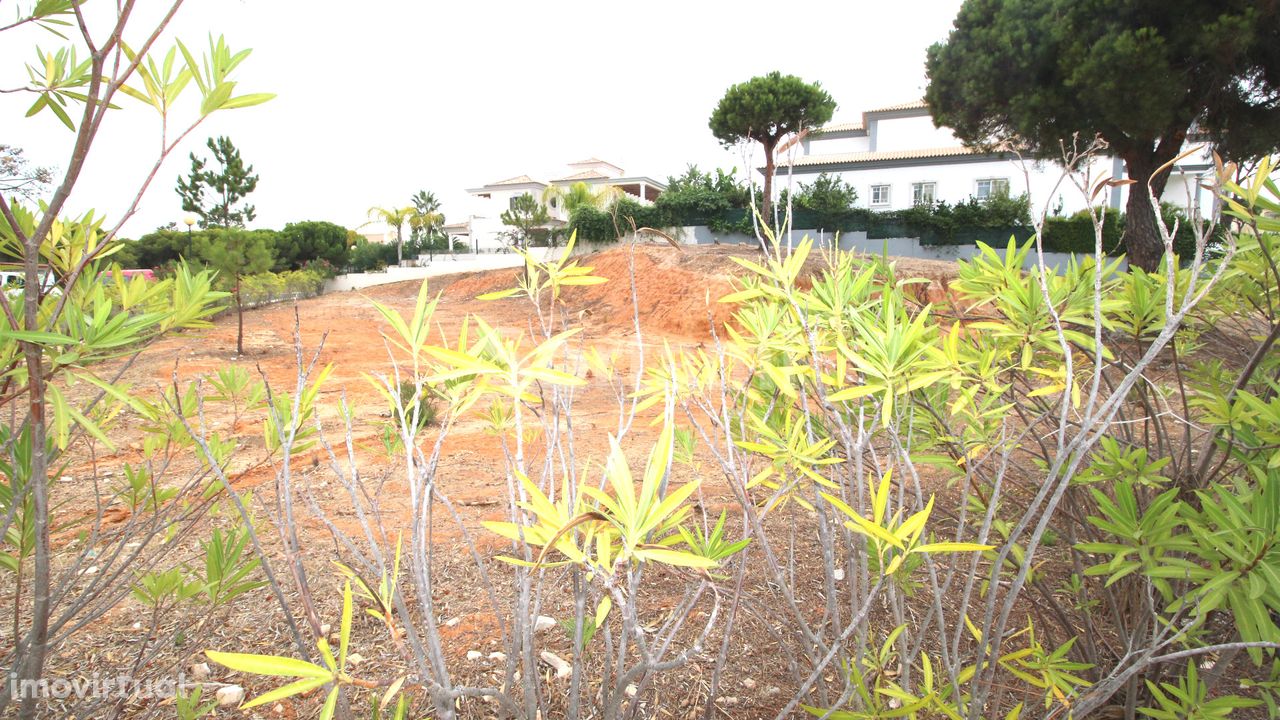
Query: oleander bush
(1055,496)
(1052,493)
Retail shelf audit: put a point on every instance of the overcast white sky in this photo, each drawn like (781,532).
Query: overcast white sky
(380,99)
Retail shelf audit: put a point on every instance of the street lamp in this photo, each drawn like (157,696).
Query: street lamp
(189,220)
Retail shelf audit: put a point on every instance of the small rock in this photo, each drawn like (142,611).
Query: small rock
(773,690)
(498,657)
(230,695)
(66,478)
(838,574)
(748,683)
(325,629)
(91,570)
(727,700)
(355,658)
(137,626)
(631,690)
(278,709)
(452,622)
(474,655)
(543,623)
(201,671)
(563,669)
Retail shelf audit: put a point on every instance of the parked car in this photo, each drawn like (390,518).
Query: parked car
(13,281)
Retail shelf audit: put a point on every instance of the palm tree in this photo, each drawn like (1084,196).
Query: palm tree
(426,217)
(393,217)
(580,194)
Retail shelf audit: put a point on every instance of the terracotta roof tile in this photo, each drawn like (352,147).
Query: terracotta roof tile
(584,175)
(518,180)
(839,127)
(913,105)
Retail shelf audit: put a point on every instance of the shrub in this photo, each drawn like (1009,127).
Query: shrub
(426,405)
(304,242)
(323,268)
(608,225)
(1075,234)
(268,287)
(698,198)
(368,256)
(826,203)
(156,249)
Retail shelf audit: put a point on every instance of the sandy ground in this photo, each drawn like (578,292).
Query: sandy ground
(676,292)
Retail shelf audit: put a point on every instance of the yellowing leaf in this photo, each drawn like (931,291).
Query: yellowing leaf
(945,547)
(268,665)
(673,557)
(293,688)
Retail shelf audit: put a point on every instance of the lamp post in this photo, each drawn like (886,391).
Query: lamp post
(189,220)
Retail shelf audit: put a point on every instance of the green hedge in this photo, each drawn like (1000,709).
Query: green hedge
(722,204)
(296,246)
(597,226)
(272,287)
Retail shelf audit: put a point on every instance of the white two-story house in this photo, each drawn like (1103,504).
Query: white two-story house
(484,230)
(895,158)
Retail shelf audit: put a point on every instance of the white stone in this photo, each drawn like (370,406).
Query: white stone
(839,574)
(230,695)
(325,629)
(66,478)
(474,655)
(452,621)
(543,622)
(498,657)
(748,683)
(563,669)
(631,690)
(355,658)
(201,671)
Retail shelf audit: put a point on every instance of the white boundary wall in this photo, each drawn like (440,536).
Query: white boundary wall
(858,242)
(441,265)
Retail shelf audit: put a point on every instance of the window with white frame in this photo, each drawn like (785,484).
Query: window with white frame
(879,195)
(922,193)
(987,187)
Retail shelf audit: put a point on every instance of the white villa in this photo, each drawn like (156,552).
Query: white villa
(483,229)
(895,158)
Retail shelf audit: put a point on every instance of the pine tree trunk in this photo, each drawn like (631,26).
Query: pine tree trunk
(1143,245)
(239,322)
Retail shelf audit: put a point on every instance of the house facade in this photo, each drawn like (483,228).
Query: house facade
(483,229)
(896,158)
